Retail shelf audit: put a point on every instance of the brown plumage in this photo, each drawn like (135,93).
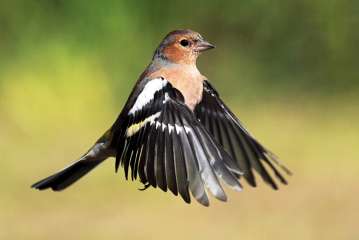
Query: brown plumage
(176,133)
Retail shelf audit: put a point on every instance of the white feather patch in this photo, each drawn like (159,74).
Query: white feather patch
(148,94)
(170,128)
(134,128)
(187,129)
(178,128)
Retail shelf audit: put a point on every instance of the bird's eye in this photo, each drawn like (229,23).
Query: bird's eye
(184,43)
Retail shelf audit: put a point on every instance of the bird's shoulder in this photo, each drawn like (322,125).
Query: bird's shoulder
(185,81)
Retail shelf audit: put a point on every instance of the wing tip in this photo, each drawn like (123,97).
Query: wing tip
(204,201)
(237,188)
(274,158)
(219,194)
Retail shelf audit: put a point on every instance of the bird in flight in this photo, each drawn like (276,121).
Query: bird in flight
(176,133)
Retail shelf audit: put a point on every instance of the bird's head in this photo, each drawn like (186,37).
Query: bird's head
(182,47)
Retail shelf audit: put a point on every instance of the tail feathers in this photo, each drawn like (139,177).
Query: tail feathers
(67,176)
(64,178)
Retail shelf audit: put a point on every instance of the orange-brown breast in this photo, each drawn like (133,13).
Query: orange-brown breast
(186,78)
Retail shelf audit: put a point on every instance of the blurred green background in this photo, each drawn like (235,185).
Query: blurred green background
(289,69)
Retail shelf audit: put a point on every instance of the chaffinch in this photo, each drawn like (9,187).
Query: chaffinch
(176,133)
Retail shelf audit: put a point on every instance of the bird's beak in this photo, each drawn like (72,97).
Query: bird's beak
(203,45)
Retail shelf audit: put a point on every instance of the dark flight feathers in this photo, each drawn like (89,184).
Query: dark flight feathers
(229,132)
(159,140)
(166,146)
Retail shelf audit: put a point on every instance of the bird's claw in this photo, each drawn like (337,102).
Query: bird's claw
(145,186)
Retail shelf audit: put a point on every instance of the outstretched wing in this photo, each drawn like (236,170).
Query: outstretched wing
(160,140)
(229,132)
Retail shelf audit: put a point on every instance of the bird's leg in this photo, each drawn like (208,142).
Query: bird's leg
(145,186)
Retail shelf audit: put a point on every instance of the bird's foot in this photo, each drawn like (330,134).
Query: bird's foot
(145,186)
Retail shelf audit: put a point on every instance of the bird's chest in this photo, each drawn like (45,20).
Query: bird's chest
(191,87)
(188,80)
